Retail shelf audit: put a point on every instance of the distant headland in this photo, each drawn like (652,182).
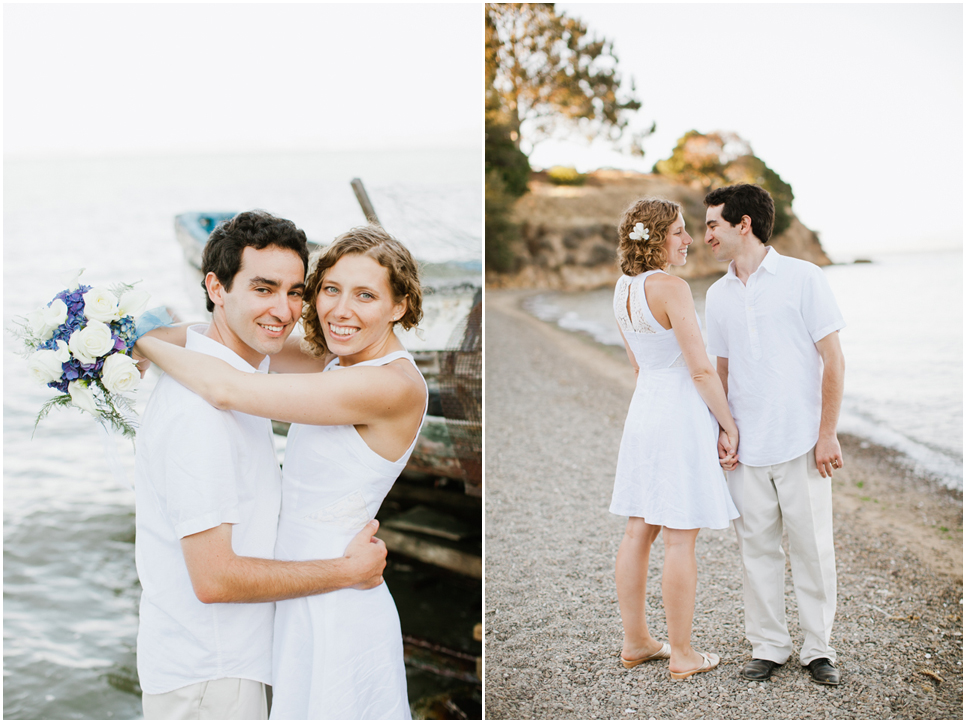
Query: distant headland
(569,232)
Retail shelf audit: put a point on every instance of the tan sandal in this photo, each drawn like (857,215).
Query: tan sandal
(710,662)
(663,654)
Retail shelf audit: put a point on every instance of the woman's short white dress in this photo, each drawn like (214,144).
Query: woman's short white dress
(667,468)
(338,655)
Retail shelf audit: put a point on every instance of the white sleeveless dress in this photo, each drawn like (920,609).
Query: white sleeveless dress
(667,468)
(338,655)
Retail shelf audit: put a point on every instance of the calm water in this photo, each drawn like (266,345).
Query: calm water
(70,585)
(903,345)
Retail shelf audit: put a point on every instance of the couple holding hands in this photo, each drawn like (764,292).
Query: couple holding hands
(767,415)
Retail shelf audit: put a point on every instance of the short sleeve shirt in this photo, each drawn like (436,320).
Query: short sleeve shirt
(197,467)
(767,330)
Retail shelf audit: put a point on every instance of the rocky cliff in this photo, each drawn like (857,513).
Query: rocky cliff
(569,236)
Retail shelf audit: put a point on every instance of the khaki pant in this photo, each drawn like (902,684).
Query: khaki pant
(794,496)
(224,699)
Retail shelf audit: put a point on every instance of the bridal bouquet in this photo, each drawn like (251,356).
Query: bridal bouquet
(80,343)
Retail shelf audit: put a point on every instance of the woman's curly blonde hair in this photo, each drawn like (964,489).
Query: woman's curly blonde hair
(637,256)
(374,242)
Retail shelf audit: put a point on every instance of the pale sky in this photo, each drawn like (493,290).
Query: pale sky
(858,107)
(132,78)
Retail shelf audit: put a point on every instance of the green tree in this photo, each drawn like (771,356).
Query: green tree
(507,175)
(500,231)
(502,154)
(507,170)
(548,72)
(713,160)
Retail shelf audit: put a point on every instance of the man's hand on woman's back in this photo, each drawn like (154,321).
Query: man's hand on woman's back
(367,556)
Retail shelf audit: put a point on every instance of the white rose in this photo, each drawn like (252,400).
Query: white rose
(44,320)
(101,305)
(46,365)
(133,302)
(82,397)
(72,282)
(120,374)
(93,341)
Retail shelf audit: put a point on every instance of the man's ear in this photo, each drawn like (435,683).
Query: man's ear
(744,226)
(216,290)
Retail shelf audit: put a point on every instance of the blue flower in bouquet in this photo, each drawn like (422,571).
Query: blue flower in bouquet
(80,343)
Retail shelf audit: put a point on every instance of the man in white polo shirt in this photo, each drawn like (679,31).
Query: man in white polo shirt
(773,324)
(208,494)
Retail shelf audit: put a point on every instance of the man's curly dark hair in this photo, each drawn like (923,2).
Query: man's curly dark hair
(258,229)
(746,199)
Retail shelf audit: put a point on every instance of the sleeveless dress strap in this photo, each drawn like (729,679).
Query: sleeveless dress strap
(381,361)
(645,307)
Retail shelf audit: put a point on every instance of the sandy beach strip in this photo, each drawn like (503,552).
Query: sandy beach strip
(555,406)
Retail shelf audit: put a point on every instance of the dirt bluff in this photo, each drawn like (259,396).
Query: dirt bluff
(569,236)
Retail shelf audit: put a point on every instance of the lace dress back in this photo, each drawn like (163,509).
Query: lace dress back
(653,346)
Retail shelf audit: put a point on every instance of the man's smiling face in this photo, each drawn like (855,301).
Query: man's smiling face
(264,303)
(723,238)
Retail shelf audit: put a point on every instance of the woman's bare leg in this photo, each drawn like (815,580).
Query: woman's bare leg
(632,561)
(678,586)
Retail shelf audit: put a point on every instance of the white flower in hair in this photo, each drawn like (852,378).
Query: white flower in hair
(640,233)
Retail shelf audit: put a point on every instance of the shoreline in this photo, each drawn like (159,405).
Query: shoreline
(553,629)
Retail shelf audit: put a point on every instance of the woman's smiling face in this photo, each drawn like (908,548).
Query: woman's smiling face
(676,245)
(356,309)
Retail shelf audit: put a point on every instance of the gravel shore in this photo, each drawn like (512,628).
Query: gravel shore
(555,406)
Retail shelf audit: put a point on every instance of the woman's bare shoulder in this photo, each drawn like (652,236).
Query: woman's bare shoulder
(667,285)
(397,381)
(407,376)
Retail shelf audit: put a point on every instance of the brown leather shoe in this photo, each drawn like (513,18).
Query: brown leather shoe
(824,671)
(758,669)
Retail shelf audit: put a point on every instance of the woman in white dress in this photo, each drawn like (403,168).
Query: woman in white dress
(668,471)
(337,655)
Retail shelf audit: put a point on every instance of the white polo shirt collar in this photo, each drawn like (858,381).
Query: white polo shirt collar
(769,264)
(197,341)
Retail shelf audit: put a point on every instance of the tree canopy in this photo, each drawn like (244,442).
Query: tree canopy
(547,72)
(503,154)
(713,160)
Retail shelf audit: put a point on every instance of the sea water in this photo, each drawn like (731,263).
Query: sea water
(903,347)
(70,586)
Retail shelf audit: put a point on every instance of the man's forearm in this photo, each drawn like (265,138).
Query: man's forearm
(253,579)
(833,386)
(219,575)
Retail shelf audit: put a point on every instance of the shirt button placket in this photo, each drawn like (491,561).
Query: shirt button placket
(750,317)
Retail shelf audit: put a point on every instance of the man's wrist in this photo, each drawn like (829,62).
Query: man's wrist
(343,573)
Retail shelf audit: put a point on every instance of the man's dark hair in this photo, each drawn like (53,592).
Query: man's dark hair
(745,199)
(258,229)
